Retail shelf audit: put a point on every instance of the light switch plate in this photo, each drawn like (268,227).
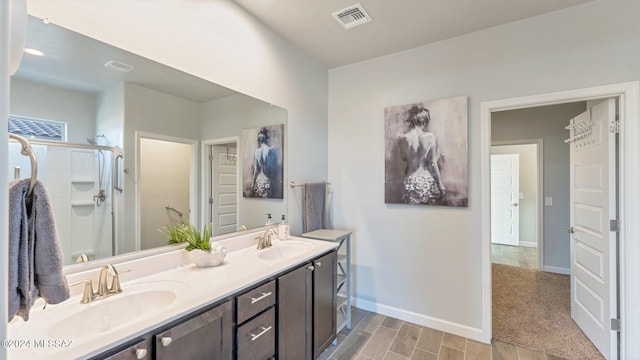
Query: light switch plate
(521,196)
(548,201)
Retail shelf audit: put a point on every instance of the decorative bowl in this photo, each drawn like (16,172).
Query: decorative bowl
(202,258)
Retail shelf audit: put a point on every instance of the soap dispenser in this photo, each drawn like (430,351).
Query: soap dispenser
(268,219)
(283,229)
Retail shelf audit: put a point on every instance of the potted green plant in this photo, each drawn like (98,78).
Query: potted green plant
(200,249)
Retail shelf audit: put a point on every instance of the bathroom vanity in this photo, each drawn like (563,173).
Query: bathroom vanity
(274,303)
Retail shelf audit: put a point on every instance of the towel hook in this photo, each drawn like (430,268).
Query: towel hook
(28,151)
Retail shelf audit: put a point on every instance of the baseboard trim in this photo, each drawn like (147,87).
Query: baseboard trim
(419,319)
(557,270)
(528,244)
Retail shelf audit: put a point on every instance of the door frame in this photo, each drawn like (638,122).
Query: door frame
(628,95)
(205,167)
(540,188)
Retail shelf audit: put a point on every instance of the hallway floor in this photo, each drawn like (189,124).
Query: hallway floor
(378,337)
(522,256)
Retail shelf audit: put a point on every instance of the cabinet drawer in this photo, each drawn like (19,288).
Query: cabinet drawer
(255,301)
(257,338)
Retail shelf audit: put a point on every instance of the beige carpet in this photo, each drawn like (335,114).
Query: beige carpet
(532,309)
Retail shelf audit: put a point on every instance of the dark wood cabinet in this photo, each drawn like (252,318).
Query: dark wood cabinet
(205,336)
(256,338)
(324,302)
(295,314)
(138,351)
(307,309)
(290,316)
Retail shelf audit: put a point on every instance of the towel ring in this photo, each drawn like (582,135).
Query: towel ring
(28,151)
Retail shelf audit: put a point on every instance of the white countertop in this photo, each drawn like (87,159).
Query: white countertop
(194,288)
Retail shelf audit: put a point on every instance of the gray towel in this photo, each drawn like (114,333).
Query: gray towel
(35,258)
(314,205)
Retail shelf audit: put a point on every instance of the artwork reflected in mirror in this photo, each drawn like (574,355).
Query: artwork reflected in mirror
(112,197)
(426,153)
(262,173)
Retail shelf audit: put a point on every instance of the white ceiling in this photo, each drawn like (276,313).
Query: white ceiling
(397,24)
(75,61)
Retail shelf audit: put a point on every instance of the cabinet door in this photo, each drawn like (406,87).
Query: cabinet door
(139,350)
(324,302)
(295,314)
(206,336)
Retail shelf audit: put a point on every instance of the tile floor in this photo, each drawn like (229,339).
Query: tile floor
(515,255)
(378,337)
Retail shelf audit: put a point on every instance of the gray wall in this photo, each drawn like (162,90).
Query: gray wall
(424,263)
(228,117)
(546,123)
(158,113)
(76,108)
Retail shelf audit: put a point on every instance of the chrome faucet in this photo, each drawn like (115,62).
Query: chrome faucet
(103,289)
(264,241)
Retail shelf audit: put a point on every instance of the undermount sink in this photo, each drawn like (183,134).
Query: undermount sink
(136,303)
(287,249)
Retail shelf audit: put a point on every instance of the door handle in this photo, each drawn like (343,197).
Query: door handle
(569,230)
(515,204)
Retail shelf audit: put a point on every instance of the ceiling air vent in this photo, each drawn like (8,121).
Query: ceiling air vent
(118,66)
(352,16)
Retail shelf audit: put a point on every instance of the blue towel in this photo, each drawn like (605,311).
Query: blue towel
(35,258)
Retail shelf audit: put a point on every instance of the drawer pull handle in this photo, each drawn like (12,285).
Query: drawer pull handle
(319,263)
(166,341)
(264,331)
(263,296)
(141,353)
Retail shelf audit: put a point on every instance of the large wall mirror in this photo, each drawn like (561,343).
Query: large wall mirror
(126,145)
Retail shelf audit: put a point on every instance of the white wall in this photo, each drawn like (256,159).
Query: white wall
(424,263)
(238,52)
(76,108)
(527,175)
(547,123)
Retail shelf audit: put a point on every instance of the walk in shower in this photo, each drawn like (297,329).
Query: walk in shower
(80,181)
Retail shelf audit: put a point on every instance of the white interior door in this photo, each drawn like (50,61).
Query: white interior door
(224,188)
(505,195)
(593,245)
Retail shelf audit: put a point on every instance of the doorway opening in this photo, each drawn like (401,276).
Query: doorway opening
(166,185)
(627,95)
(516,182)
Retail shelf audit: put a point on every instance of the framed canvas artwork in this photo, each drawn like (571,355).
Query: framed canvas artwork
(426,161)
(262,162)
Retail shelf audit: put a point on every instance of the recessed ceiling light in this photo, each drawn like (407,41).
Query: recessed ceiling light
(34,52)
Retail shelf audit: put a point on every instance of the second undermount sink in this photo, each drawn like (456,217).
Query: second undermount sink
(287,249)
(135,303)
